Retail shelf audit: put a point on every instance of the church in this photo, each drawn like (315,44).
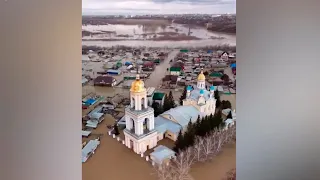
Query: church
(143,130)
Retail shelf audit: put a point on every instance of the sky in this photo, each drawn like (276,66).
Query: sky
(136,7)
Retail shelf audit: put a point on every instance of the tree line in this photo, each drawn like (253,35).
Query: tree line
(202,127)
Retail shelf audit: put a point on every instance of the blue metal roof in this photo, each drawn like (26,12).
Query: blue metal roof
(183,114)
(196,93)
(189,88)
(212,88)
(161,153)
(90,146)
(201,91)
(96,110)
(162,125)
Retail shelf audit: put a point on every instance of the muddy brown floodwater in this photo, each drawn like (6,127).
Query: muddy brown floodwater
(142,35)
(113,161)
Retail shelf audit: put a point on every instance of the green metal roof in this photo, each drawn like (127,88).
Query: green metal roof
(175,69)
(215,74)
(158,96)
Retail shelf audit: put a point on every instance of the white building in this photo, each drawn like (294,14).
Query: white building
(200,97)
(143,131)
(140,133)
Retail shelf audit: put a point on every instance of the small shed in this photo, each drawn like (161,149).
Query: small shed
(162,154)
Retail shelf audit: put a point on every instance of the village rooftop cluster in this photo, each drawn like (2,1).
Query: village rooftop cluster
(145,116)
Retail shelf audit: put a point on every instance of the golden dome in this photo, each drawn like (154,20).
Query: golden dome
(201,76)
(137,86)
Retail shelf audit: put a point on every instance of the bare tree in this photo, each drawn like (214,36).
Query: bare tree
(165,172)
(204,149)
(208,147)
(231,175)
(183,162)
(198,151)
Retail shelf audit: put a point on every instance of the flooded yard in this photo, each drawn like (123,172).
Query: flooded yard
(113,160)
(152,35)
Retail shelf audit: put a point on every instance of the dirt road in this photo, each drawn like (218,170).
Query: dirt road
(161,70)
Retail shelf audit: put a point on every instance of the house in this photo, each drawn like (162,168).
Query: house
(86,133)
(148,66)
(225,113)
(170,80)
(229,121)
(105,81)
(158,97)
(224,55)
(89,149)
(175,71)
(216,81)
(209,25)
(127,84)
(113,72)
(84,81)
(85,58)
(107,105)
(178,64)
(96,114)
(161,154)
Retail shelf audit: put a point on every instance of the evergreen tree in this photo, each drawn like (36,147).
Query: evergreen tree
(166,105)
(168,102)
(197,126)
(179,143)
(158,109)
(183,95)
(217,120)
(229,115)
(116,129)
(217,97)
(171,100)
(189,135)
(204,126)
(211,121)
(226,105)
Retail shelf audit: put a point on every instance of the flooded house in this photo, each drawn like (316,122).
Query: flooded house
(216,81)
(148,66)
(127,84)
(170,81)
(162,155)
(158,97)
(84,81)
(224,56)
(105,81)
(89,148)
(175,71)
(113,72)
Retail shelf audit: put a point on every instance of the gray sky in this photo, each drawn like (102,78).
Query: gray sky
(123,7)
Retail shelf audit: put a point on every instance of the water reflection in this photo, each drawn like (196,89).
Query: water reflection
(141,35)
